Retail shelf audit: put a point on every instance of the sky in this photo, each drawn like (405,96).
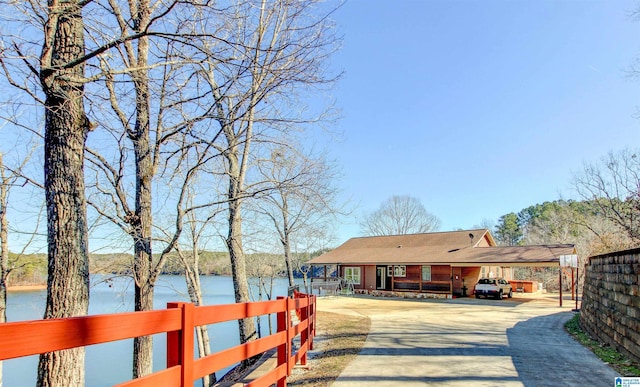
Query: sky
(480,108)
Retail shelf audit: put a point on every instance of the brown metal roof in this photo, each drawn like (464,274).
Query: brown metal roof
(542,255)
(456,248)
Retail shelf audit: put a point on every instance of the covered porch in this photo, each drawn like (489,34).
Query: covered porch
(447,280)
(437,279)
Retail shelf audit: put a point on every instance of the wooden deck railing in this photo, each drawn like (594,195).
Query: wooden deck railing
(18,339)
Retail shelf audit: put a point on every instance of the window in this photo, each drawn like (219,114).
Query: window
(352,275)
(426,273)
(397,271)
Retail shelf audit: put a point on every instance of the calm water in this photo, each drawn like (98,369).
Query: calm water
(108,364)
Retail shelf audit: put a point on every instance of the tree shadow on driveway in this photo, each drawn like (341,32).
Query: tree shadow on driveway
(545,354)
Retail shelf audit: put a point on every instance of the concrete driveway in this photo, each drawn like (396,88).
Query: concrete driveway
(468,342)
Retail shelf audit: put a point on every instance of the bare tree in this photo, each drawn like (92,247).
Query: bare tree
(246,63)
(139,216)
(399,215)
(66,130)
(612,185)
(269,50)
(10,178)
(190,258)
(303,196)
(554,224)
(263,270)
(275,49)
(57,28)
(561,222)
(311,241)
(147,79)
(487,223)
(4,247)
(180,176)
(60,70)
(199,216)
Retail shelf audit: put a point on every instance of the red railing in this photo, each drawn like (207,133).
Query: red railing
(18,339)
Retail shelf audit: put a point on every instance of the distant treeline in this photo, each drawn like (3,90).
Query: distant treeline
(210,263)
(27,269)
(31,269)
(593,226)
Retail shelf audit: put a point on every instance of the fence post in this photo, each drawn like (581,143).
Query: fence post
(180,343)
(304,335)
(312,320)
(290,335)
(283,349)
(174,343)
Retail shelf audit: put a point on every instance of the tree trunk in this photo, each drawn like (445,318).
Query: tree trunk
(287,259)
(271,332)
(204,349)
(247,329)
(142,346)
(143,258)
(142,223)
(4,249)
(239,268)
(66,128)
(286,242)
(142,220)
(305,281)
(192,276)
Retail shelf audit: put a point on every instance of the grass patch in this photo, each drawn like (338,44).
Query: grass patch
(606,353)
(339,339)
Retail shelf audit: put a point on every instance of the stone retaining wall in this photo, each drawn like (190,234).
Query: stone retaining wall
(611,301)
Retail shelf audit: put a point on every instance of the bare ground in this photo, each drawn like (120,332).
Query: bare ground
(339,338)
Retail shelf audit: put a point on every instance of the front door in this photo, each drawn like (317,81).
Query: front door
(381,277)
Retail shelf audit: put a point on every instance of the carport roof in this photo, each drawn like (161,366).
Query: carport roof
(455,248)
(539,255)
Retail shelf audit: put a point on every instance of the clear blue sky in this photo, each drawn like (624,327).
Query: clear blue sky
(480,108)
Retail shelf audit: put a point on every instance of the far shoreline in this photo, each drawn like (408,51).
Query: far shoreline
(26,288)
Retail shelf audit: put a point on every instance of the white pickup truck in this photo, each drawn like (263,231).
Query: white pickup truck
(494,287)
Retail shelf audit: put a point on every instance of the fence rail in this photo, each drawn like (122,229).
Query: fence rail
(26,338)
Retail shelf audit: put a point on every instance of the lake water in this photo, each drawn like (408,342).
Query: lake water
(110,363)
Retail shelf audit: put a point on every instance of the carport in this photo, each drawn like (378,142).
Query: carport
(517,256)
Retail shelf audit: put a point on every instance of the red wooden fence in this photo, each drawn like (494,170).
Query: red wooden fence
(18,339)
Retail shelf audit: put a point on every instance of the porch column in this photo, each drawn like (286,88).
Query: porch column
(451,281)
(393,278)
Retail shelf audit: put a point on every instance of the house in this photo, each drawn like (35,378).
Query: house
(440,263)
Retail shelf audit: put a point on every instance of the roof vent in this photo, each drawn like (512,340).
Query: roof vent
(399,246)
(471,237)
